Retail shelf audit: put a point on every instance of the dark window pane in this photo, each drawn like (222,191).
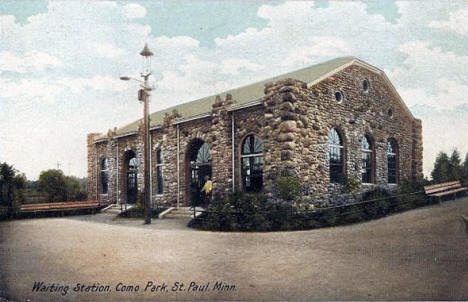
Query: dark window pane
(158,157)
(159,180)
(104,166)
(365,143)
(252,173)
(252,166)
(392,169)
(338,96)
(104,182)
(366,165)
(365,85)
(336,157)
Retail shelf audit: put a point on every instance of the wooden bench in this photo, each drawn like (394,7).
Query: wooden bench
(443,189)
(59,206)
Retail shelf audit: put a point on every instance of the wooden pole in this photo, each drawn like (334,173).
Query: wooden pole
(147,194)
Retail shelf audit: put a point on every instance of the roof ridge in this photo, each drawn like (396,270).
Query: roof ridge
(242,94)
(261,81)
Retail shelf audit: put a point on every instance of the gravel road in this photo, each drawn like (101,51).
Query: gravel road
(418,255)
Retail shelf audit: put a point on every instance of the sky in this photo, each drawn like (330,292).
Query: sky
(60,63)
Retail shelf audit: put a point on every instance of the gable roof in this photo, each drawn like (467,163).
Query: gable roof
(253,92)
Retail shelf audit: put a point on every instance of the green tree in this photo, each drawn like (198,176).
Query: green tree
(11,186)
(54,183)
(465,170)
(441,172)
(74,189)
(455,167)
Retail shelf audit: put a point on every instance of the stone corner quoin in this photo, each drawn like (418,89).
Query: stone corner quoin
(244,144)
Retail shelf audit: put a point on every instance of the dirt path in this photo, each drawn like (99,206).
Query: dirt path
(420,254)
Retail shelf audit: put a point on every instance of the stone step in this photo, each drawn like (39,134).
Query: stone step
(115,209)
(170,216)
(183,212)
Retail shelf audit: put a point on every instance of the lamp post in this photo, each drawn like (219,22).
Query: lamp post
(143,96)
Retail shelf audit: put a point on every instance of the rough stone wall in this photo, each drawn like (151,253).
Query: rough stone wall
(302,117)
(92,169)
(417,163)
(284,129)
(293,122)
(220,138)
(166,139)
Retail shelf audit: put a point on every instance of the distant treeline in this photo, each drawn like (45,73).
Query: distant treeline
(51,186)
(450,168)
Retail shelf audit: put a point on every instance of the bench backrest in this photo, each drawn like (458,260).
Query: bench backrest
(58,204)
(442,187)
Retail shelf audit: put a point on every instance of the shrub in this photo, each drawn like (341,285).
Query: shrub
(376,193)
(248,212)
(288,187)
(351,184)
(353,214)
(410,195)
(253,212)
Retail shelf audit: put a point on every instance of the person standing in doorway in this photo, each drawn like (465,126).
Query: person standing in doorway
(206,190)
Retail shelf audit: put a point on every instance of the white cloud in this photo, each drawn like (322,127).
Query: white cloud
(27,90)
(97,82)
(45,90)
(234,66)
(425,65)
(319,46)
(449,95)
(458,22)
(109,51)
(134,11)
(31,61)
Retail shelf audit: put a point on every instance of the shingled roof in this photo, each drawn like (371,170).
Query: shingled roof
(246,94)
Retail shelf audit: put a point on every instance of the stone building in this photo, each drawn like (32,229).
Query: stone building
(325,123)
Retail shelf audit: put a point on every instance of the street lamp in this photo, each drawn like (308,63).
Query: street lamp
(143,96)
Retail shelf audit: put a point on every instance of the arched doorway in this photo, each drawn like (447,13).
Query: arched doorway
(198,166)
(131,176)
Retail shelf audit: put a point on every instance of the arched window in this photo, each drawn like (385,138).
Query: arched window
(392,161)
(203,154)
(104,169)
(252,163)
(131,175)
(367,163)
(335,151)
(159,175)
